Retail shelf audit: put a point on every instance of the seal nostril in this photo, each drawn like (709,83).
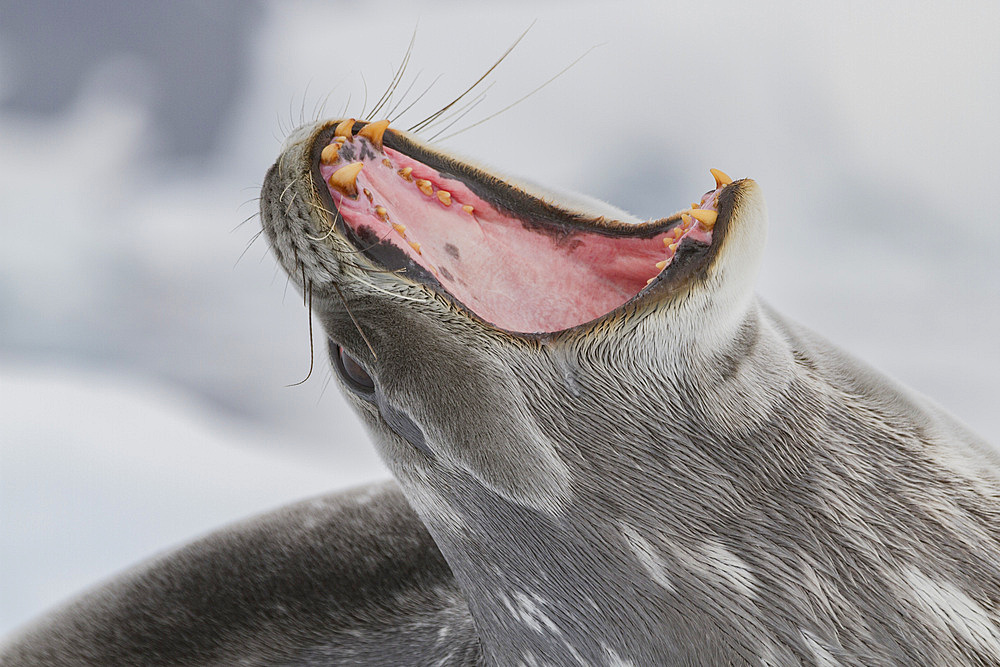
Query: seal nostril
(356,377)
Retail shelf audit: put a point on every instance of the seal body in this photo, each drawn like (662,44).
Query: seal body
(352,578)
(656,469)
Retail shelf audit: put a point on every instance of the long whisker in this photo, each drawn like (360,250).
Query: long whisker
(353,319)
(475,100)
(302,108)
(364,104)
(398,76)
(419,126)
(247,248)
(521,99)
(245,221)
(463,113)
(312,352)
(390,112)
(419,97)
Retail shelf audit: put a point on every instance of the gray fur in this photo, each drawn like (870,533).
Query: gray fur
(693,480)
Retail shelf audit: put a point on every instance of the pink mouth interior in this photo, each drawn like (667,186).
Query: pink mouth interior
(518,276)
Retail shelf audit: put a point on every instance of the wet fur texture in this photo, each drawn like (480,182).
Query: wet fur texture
(693,480)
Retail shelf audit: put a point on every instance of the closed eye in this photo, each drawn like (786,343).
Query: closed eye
(353,374)
(361,383)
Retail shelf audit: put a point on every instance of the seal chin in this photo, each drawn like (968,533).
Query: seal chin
(503,252)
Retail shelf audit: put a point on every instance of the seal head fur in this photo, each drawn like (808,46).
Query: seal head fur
(661,474)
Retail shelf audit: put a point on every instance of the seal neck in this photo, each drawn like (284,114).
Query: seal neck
(609,566)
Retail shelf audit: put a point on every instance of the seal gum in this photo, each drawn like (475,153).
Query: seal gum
(515,273)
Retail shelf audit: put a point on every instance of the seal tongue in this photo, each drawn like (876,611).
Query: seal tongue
(516,273)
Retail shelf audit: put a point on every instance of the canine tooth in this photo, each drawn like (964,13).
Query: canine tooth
(445,197)
(415,246)
(368,193)
(344,128)
(405,173)
(425,186)
(468,209)
(382,214)
(705,216)
(400,228)
(373,132)
(345,179)
(330,154)
(660,265)
(387,162)
(720,178)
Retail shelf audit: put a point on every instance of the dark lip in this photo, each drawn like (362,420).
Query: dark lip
(691,260)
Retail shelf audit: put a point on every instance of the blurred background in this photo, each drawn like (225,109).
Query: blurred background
(147,339)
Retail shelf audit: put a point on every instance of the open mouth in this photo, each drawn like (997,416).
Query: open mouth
(516,261)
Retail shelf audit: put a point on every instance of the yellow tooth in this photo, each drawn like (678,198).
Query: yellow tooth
(345,179)
(344,128)
(405,173)
(695,205)
(673,246)
(340,141)
(720,178)
(382,213)
(705,216)
(386,162)
(373,132)
(660,265)
(677,232)
(330,154)
(368,194)
(445,197)
(400,228)
(415,246)
(686,220)
(651,280)
(425,186)
(468,209)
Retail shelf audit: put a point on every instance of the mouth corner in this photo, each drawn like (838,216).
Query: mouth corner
(517,262)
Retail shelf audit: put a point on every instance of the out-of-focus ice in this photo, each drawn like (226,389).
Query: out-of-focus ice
(101,470)
(874,134)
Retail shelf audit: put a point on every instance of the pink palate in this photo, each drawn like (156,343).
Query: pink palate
(515,278)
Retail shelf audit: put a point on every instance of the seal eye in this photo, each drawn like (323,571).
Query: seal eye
(356,377)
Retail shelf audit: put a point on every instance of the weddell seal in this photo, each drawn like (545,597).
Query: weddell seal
(614,453)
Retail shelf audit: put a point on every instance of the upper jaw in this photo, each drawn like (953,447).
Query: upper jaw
(389,202)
